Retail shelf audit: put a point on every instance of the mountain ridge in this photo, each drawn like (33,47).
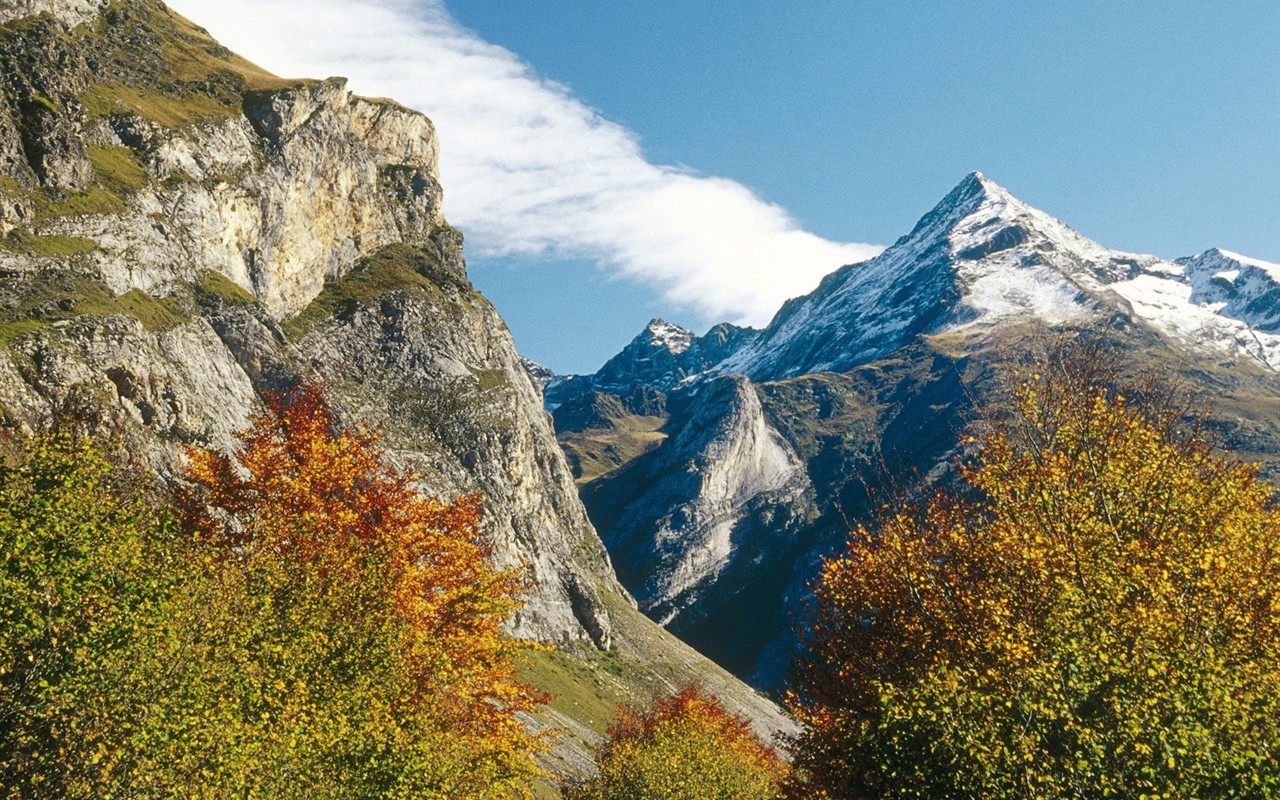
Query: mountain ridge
(1061,275)
(869,380)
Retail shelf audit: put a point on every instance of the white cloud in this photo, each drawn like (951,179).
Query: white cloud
(531,171)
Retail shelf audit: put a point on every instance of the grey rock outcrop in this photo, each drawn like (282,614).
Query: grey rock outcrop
(724,488)
(70,12)
(436,370)
(166,251)
(112,376)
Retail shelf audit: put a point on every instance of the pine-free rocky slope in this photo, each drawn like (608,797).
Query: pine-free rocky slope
(182,232)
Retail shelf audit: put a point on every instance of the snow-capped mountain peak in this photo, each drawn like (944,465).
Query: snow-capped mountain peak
(667,335)
(982,256)
(655,357)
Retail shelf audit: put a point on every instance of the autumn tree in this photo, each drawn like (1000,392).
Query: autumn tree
(1095,613)
(307,626)
(374,661)
(87,571)
(685,747)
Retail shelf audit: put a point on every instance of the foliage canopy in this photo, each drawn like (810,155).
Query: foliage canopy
(686,747)
(88,572)
(306,625)
(1096,614)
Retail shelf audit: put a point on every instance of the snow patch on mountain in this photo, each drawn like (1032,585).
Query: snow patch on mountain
(1217,300)
(672,338)
(1247,289)
(982,257)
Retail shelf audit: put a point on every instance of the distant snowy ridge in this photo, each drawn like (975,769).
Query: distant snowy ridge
(1217,300)
(662,355)
(982,256)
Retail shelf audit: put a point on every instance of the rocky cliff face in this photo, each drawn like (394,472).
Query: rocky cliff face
(276,186)
(433,365)
(723,484)
(69,12)
(183,232)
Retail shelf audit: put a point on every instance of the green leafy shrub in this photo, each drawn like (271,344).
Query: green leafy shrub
(87,573)
(686,747)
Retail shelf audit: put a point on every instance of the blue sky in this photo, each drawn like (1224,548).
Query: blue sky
(790,133)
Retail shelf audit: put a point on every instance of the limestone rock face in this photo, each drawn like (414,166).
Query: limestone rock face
(357,174)
(435,368)
(276,185)
(278,200)
(42,137)
(724,488)
(113,377)
(179,242)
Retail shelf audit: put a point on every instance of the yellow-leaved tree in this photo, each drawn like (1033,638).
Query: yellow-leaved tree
(363,652)
(306,626)
(687,746)
(1094,613)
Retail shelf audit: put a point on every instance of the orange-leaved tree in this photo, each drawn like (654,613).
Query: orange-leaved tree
(360,624)
(1095,614)
(685,747)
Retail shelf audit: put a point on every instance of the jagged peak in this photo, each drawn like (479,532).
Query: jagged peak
(979,217)
(976,192)
(1217,270)
(977,184)
(977,188)
(660,324)
(1219,255)
(668,335)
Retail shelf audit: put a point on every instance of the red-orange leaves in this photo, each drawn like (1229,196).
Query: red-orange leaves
(354,584)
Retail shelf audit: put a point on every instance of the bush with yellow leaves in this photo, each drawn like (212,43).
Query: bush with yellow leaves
(1095,613)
